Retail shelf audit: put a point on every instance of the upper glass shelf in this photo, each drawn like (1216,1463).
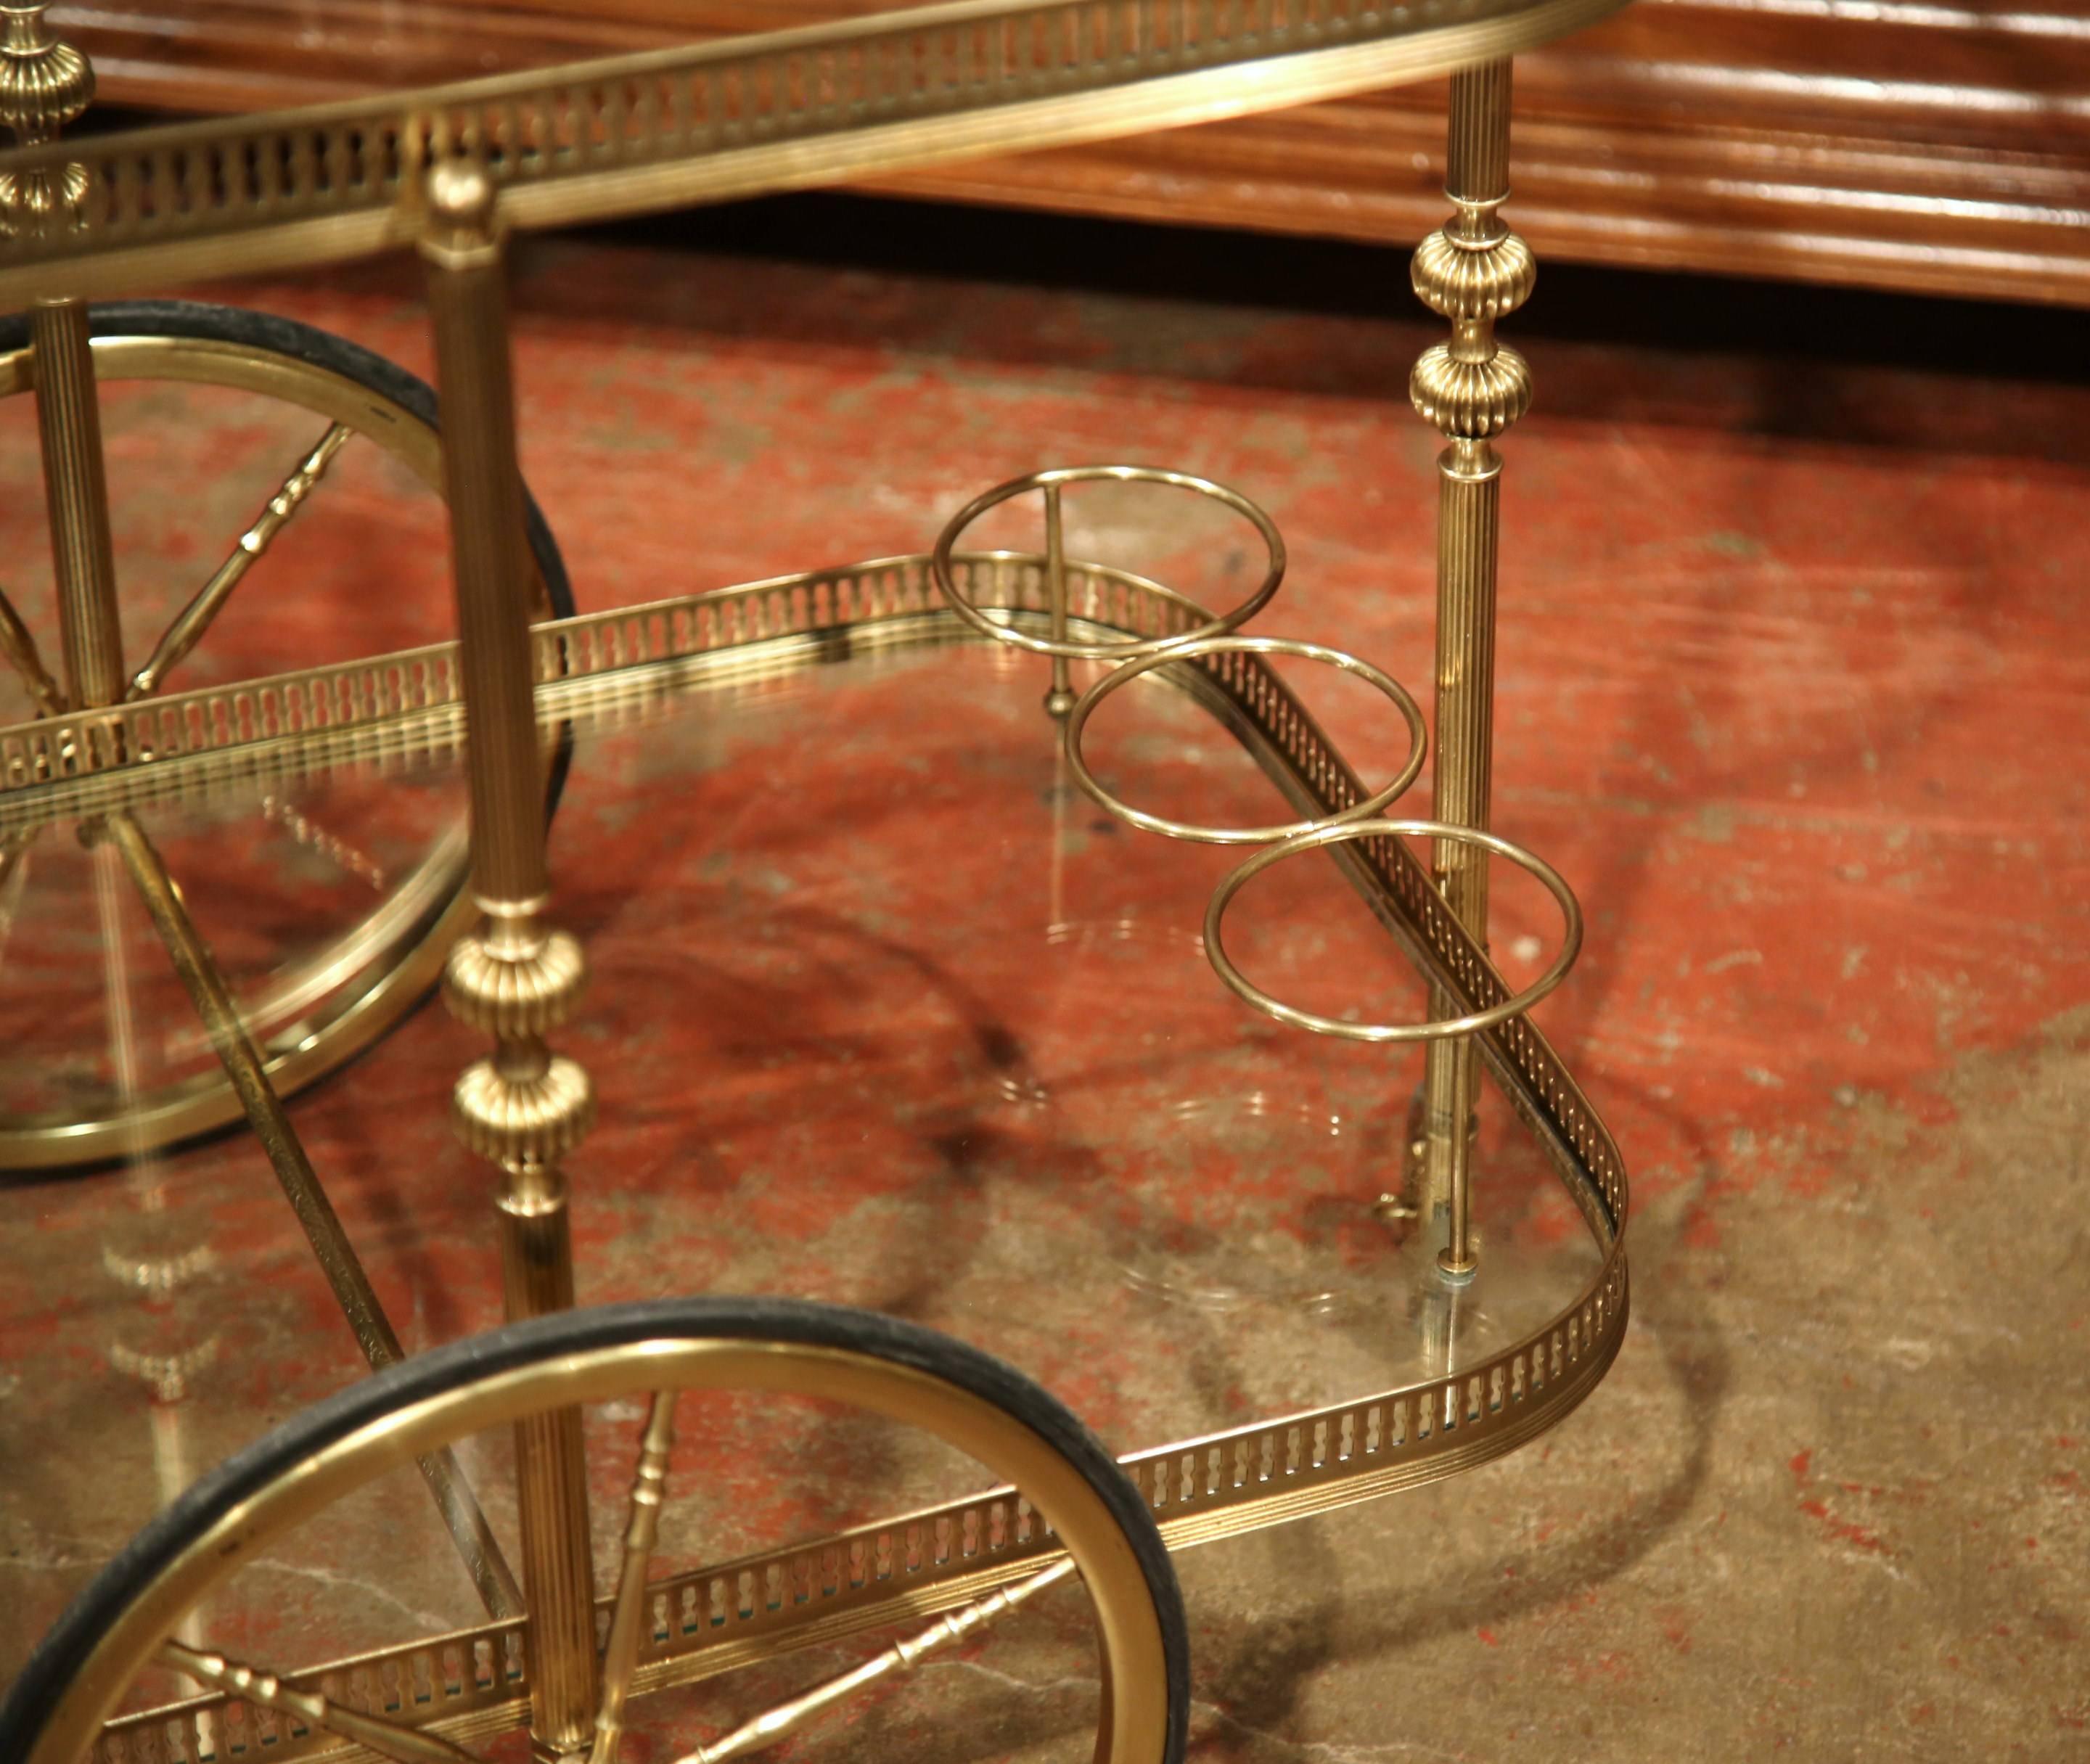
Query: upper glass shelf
(881,92)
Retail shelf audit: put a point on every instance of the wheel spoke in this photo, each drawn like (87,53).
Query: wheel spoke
(244,1066)
(21,649)
(389,1739)
(767,1729)
(649,1483)
(196,618)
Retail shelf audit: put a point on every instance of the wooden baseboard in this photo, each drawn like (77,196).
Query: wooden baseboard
(1892,144)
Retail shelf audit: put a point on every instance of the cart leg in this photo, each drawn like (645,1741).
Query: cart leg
(54,84)
(1472,270)
(524,1108)
(69,426)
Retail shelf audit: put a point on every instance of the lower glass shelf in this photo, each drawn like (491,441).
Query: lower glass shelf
(883,1012)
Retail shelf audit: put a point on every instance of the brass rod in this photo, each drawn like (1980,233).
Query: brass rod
(76,495)
(524,1108)
(1477,137)
(628,1617)
(1059,700)
(1472,270)
(20,648)
(195,619)
(266,1690)
(467,294)
(1055,872)
(1468,517)
(243,1065)
(50,83)
(551,1475)
(772,1724)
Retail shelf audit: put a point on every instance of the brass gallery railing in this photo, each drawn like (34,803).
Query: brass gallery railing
(403,709)
(784,110)
(408,705)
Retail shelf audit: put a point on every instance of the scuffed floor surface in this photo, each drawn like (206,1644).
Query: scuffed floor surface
(1794,685)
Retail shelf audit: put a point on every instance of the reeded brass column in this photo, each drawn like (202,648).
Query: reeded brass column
(1060,696)
(44,85)
(76,493)
(524,1108)
(1472,270)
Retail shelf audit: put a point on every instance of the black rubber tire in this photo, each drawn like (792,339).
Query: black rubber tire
(268,333)
(58,1657)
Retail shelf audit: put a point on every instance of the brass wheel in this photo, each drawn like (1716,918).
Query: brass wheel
(149,1610)
(312,1011)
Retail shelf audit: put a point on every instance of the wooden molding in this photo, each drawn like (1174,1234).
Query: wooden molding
(1940,145)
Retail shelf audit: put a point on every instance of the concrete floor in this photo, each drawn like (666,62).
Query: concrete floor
(1793,685)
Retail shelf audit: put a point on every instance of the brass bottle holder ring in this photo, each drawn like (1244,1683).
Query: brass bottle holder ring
(1439,1029)
(1065,648)
(1192,649)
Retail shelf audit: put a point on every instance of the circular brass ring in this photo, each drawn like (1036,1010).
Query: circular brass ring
(1439,1029)
(1070,649)
(1418,738)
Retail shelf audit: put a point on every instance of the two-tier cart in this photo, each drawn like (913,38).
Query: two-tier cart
(555,1451)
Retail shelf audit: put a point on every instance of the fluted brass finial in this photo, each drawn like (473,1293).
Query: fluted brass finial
(1465,282)
(1474,270)
(44,85)
(1473,387)
(514,977)
(1470,400)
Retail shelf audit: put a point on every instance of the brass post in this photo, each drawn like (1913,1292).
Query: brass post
(1060,698)
(524,1108)
(44,85)
(1472,270)
(76,493)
